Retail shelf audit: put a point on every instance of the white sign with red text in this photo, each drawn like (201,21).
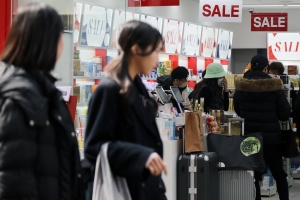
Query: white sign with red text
(284,46)
(221,10)
(209,42)
(172,36)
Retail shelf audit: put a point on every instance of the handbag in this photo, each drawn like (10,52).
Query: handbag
(106,185)
(289,145)
(243,152)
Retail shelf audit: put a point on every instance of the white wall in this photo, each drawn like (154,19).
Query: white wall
(244,38)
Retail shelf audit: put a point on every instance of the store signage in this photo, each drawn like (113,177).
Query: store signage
(269,22)
(191,39)
(209,42)
(96,26)
(120,17)
(172,36)
(284,46)
(224,44)
(220,10)
(156,22)
(142,3)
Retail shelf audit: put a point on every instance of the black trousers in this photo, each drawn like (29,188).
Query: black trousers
(273,158)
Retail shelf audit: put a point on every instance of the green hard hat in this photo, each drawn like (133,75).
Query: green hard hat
(215,70)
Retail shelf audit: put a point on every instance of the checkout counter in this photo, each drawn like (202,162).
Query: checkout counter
(170,125)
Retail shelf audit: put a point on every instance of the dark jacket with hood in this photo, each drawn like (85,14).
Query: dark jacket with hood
(38,152)
(261,101)
(133,136)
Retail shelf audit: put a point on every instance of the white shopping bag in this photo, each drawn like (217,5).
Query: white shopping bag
(106,185)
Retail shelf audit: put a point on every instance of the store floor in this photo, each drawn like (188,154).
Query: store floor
(294,192)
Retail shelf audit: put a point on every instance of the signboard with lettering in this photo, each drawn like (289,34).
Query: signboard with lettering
(224,44)
(156,22)
(284,46)
(209,42)
(120,17)
(96,26)
(172,36)
(269,22)
(191,39)
(220,10)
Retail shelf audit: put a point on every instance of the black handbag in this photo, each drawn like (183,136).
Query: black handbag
(243,152)
(289,145)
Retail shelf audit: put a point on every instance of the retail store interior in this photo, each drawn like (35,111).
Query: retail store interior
(92,28)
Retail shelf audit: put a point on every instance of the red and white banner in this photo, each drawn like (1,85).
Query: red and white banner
(220,10)
(284,46)
(144,3)
(269,22)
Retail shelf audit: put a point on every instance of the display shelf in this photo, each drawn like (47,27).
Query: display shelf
(296,175)
(88,77)
(271,191)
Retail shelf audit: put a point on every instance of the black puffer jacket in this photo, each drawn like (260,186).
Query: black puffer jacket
(262,102)
(38,146)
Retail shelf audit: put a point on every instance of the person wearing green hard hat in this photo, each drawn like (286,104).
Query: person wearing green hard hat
(213,88)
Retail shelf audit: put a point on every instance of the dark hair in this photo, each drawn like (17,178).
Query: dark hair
(134,32)
(33,38)
(203,73)
(179,73)
(213,82)
(257,68)
(277,67)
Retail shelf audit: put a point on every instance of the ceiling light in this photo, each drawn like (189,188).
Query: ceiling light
(294,5)
(258,5)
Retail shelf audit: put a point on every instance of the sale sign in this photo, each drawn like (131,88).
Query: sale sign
(224,45)
(220,10)
(191,39)
(172,36)
(269,22)
(156,22)
(284,46)
(96,26)
(143,3)
(209,42)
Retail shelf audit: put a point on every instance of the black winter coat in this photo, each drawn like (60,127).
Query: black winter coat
(260,100)
(211,100)
(38,146)
(133,135)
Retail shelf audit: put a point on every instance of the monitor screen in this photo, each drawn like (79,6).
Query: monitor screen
(177,94)
(161,95)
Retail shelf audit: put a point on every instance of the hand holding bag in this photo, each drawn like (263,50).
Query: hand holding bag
(106,185)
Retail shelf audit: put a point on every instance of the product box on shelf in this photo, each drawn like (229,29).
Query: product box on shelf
(76,92)
(292,69)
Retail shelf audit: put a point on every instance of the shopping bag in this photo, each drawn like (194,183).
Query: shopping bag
(289,145)
(244,152)
(194,133)
(106,185)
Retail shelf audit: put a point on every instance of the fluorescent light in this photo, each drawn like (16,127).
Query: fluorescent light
(258,5)
(294,5)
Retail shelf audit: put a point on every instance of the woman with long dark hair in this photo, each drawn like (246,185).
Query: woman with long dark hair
(213,88)
(39,152)
(122,113)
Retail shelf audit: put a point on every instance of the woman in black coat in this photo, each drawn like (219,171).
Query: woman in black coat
(122,113)
(39,153)
(213,88)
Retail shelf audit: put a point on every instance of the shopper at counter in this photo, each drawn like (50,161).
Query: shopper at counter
(39,152)
(122,113)
(177,78)
(213,88)
(260,100)
(277,68)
